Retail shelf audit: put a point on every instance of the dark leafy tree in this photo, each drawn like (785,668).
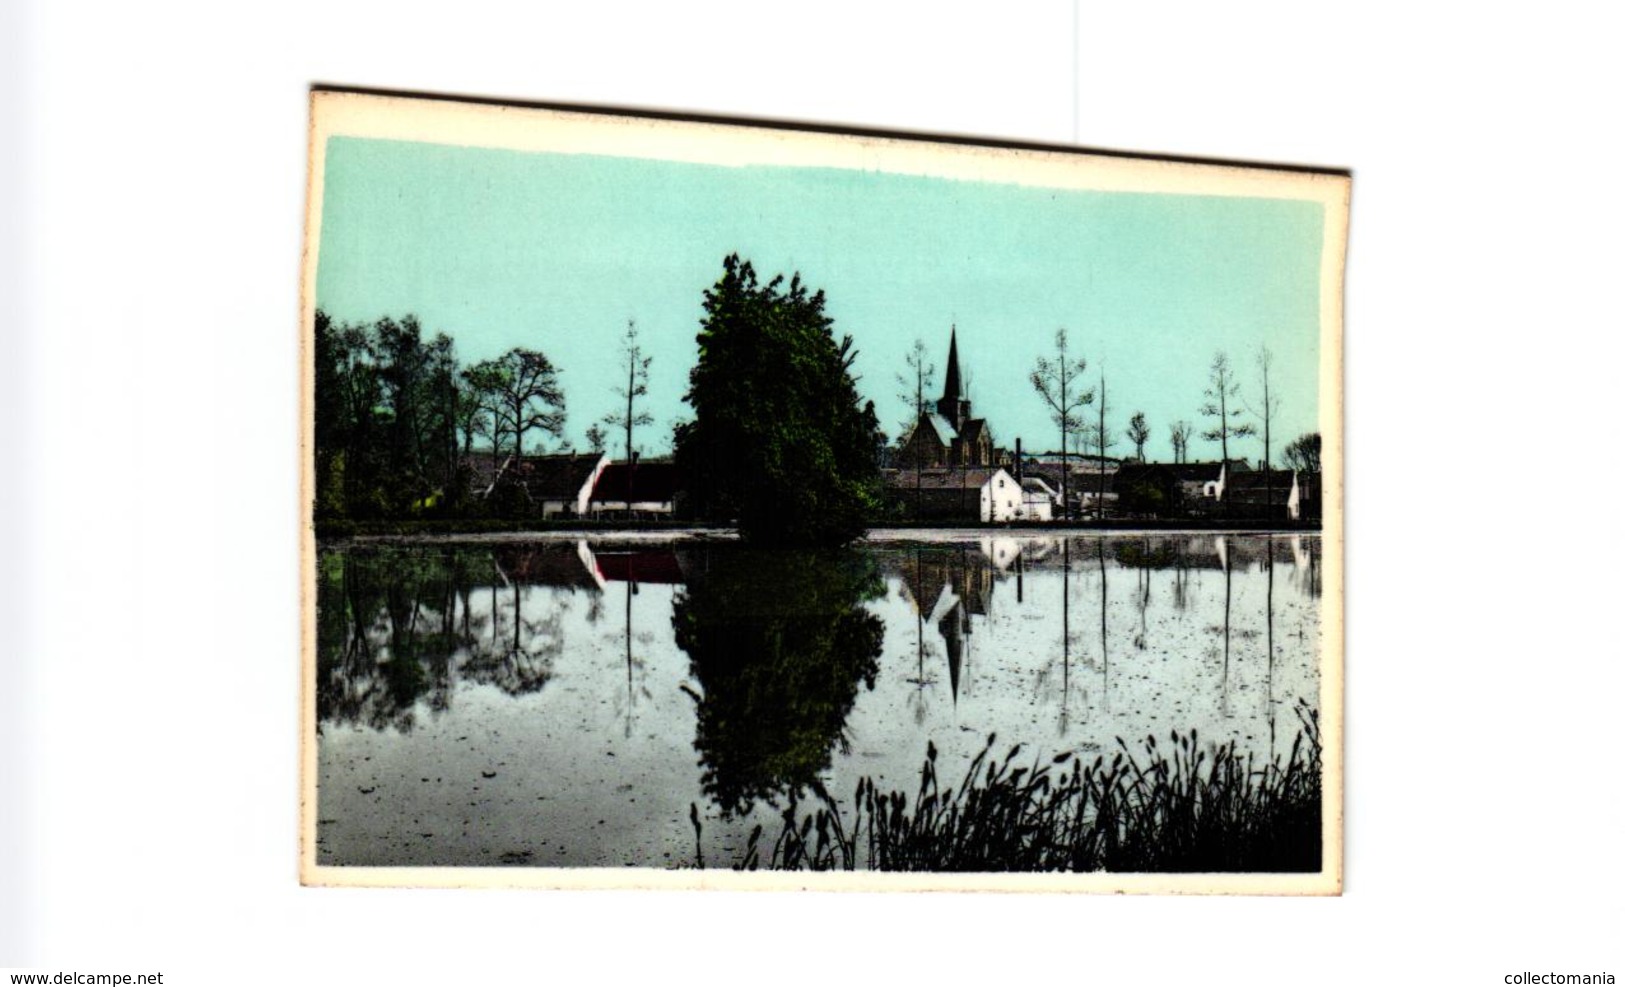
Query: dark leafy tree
(386,419)
(475,418)
(525,395)
(1138,433)
(1057,382)
(1223,407)
(636,386)
(1303,453)
(780,440)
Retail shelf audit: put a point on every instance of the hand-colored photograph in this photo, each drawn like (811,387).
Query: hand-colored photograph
(695,503)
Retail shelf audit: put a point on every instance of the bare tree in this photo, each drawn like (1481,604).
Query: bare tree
(637,386)
(596,438)
(921,377)
(1269,404)
(1056,381)
(1179,435)
(1303,453)
(1138,433)
(1221,398)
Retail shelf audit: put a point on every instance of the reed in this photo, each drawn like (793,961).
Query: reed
(1180,808)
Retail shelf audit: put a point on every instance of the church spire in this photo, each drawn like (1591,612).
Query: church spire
(948,407)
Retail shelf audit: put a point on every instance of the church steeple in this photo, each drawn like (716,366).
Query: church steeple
(948,407)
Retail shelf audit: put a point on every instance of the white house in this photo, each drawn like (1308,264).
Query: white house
(1038,499)
(976,493)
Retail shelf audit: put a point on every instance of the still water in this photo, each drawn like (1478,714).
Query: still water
(564,703)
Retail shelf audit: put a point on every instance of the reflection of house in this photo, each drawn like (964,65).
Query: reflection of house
(561,565)
(636,489)
(971,494)
(646,566)
(1000,551)
(555,486)
(948,436)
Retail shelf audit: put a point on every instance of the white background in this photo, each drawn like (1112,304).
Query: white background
(150,214)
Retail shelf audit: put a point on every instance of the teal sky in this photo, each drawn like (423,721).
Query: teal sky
(556,252)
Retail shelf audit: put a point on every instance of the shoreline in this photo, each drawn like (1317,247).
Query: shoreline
(656,532)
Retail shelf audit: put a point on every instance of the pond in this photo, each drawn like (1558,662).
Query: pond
(568,703)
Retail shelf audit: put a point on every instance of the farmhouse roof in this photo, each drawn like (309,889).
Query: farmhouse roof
(643,483)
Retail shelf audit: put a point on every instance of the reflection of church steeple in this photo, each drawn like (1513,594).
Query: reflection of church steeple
(952,627)
(947,590)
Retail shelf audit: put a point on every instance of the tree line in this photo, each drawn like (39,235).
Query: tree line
(397,414)
(779,440)
(1060,382)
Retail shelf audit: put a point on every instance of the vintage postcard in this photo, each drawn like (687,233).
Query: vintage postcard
(694,503)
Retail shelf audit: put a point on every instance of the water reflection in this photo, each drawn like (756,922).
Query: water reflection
(778,663)
(593,690)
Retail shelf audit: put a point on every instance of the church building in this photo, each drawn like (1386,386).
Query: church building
(948,436)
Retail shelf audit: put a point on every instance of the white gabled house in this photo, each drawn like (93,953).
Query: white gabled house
(977,493)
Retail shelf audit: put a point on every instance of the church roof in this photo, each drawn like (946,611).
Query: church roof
(944,428)
(974,429)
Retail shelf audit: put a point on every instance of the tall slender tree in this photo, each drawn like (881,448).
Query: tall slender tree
(1222,406)
(1056,381)
(1268,405)
(636,386)
(1104,440)
(915,384)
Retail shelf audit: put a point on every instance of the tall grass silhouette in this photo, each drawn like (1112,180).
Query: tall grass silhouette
(1178,809)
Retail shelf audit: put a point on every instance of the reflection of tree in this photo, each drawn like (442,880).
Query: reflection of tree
(1269,640)
(1142,598)
(634,663)
(1105,655)
(523,663)
(778,643)
(915,590)
(386,629)
(396,627)
(1224,546)
(1046,673)
(1306,566)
